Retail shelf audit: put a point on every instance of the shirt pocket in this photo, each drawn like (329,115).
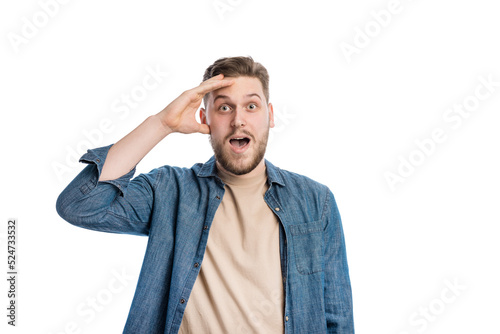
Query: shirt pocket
(308,246)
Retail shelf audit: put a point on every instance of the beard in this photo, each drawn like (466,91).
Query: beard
(237,165)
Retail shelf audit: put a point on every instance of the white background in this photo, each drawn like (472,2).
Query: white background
(345,121)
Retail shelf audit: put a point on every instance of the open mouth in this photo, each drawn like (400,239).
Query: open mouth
(239,142)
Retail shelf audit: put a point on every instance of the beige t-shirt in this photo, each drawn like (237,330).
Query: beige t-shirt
(239,288)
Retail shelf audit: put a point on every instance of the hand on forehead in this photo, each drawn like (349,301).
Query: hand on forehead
(240,89)
(214,83)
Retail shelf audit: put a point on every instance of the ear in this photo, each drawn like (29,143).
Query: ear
(203,116)
(271,115)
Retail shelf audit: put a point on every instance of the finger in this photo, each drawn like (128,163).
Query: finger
(215,77)
(208,86)
(204,129)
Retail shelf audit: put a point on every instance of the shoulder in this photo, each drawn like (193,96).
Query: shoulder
(300,180)
(305,199)
(167,174)
(295,181)
(299,188)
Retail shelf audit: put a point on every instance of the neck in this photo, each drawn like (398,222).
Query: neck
(243,179)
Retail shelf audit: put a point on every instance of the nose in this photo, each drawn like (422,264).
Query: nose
(239,118)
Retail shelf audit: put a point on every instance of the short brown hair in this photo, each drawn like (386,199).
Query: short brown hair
(238,67)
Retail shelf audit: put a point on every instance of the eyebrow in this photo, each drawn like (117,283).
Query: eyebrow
(227,97)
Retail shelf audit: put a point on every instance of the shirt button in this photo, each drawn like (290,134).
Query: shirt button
(98,160)
(196,265)
(183,300)
(205,227)
(277,209)
(286,318)
(218,197)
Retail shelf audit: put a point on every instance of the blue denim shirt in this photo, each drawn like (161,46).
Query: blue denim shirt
(175,207)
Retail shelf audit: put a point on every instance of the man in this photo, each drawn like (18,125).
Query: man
(236,245)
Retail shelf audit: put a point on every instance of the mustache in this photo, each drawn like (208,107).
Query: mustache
(240,131)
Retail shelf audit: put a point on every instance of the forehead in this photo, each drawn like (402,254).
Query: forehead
(241,87)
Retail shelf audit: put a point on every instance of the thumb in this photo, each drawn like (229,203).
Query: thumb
(205,129)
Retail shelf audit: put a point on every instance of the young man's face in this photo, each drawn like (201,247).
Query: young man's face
(239,118)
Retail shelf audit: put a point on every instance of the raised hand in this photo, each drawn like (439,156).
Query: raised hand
(179,115)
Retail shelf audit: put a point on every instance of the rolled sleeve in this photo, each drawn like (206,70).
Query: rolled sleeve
(97,157)
(122,205)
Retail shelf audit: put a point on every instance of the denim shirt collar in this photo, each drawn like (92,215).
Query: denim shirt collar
(208,169)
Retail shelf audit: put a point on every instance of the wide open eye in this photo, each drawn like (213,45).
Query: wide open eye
(252,106)
(224,108)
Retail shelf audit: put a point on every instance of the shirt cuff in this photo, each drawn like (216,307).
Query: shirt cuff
(97,157)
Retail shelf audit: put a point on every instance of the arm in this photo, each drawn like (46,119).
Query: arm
(338,296)
(102,197)
(178,116)
(118,206)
